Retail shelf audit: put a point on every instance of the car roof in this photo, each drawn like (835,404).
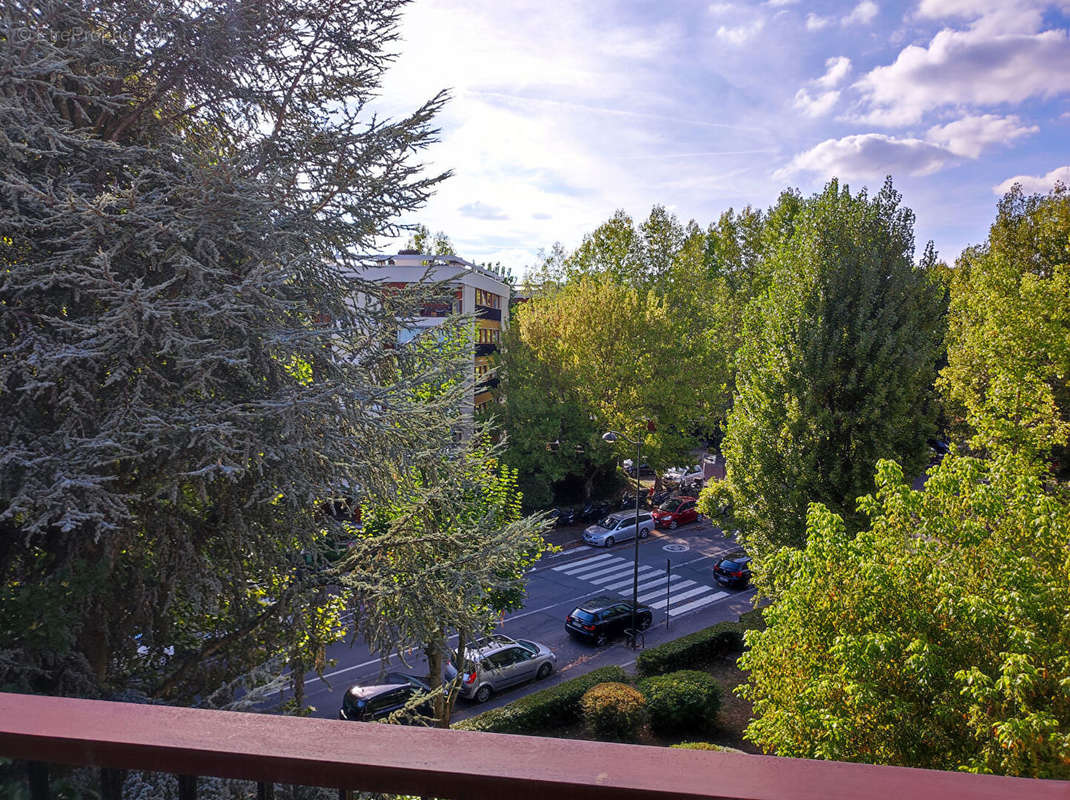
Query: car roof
(364,692)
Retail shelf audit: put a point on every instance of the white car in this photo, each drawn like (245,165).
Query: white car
(683,474)
(618,527)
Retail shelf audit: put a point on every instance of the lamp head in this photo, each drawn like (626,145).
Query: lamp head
(609,436)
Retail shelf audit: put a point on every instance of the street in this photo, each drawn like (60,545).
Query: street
(555,585)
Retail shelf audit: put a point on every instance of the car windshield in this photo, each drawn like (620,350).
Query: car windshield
(609,523)
(531,647)
(671,505)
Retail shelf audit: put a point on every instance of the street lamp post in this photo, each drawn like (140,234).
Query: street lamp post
(612,436)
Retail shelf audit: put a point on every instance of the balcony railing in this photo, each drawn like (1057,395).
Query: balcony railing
(487,312)
(437,763)
(485,348)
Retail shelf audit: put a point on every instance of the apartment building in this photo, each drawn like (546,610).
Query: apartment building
(477,291)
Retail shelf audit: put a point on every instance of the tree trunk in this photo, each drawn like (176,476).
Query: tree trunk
(434,650)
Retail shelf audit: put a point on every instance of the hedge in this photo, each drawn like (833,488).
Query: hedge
(681,701)
(692,650)
(705,746)
(551,708)
(613,710)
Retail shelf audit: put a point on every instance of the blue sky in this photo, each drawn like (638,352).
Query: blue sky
(563,112)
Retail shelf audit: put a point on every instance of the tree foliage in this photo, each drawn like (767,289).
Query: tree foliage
(837,363)
(184,382)
(938,637)
(1009,337)
(455,548)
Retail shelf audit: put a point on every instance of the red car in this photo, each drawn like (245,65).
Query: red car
(674,512)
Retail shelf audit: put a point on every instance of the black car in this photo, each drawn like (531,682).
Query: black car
(371,703)
(601,618)
(561,517)
(594,511)
(733,570)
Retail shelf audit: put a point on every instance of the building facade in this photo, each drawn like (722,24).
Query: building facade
(477,291)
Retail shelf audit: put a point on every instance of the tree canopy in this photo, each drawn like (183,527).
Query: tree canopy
(185,382)
(837,362)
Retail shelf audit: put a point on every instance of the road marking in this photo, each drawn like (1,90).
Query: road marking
(622,584)
(689,593)
(644,573)
(599,569)
(582,561)
(705,601)
(553,605)
(661,592)
(613,573)
(568,551)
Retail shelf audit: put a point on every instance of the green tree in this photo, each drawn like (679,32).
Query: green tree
(185,386)
(456,548)
(619,357)
(423,241)
(1009,333)
(837,363)
(937,637)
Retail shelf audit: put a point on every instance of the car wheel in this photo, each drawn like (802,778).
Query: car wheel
(544,670)
(644,532)
(610,541)
(601,640)
(483,694)
(644,622)
(672,525)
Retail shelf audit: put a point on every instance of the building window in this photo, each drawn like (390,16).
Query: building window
(488,299)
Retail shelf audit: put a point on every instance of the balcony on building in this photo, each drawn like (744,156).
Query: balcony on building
(486,348)
(49,734)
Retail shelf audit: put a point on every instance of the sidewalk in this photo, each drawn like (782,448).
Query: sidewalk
(566,538)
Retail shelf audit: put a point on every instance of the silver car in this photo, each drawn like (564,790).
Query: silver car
(618,527)
(498,662)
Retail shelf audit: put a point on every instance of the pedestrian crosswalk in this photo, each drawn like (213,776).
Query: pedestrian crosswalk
(616,574)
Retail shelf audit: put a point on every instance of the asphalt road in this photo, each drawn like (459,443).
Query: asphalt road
(555,586)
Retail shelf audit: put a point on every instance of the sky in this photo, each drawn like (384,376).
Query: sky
(563,112)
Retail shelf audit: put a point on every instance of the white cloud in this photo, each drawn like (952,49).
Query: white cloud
(862,14)
(1035,184)
(740,34)
(960,68)
(969,136)
(478,210)
(836,69)
(869,155)
(780,3)
(994,16)
(816,23)
(815,105)
(721,8)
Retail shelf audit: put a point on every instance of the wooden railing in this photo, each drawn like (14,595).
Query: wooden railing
(438,763)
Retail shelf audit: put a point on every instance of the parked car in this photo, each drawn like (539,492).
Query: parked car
(689,474)
(594,510)
(733,570)
(938,448)
(618,527)
(601,618)
(371,703)
(498,662)
(562,517)
(674,512)
(629,467)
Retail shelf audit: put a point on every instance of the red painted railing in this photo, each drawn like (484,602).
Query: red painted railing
(441,763)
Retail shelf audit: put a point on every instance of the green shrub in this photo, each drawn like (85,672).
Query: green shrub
(551,708)
(681,701)
(613,710)
(705,746)
(692,650)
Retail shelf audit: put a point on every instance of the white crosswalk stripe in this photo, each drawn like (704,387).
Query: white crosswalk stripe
(704,601)
(615,573)
(584,562)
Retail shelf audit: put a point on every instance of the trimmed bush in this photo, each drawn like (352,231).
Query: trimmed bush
(555,707)
(613,710)
(681,701)
(705,746)
(692,650)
